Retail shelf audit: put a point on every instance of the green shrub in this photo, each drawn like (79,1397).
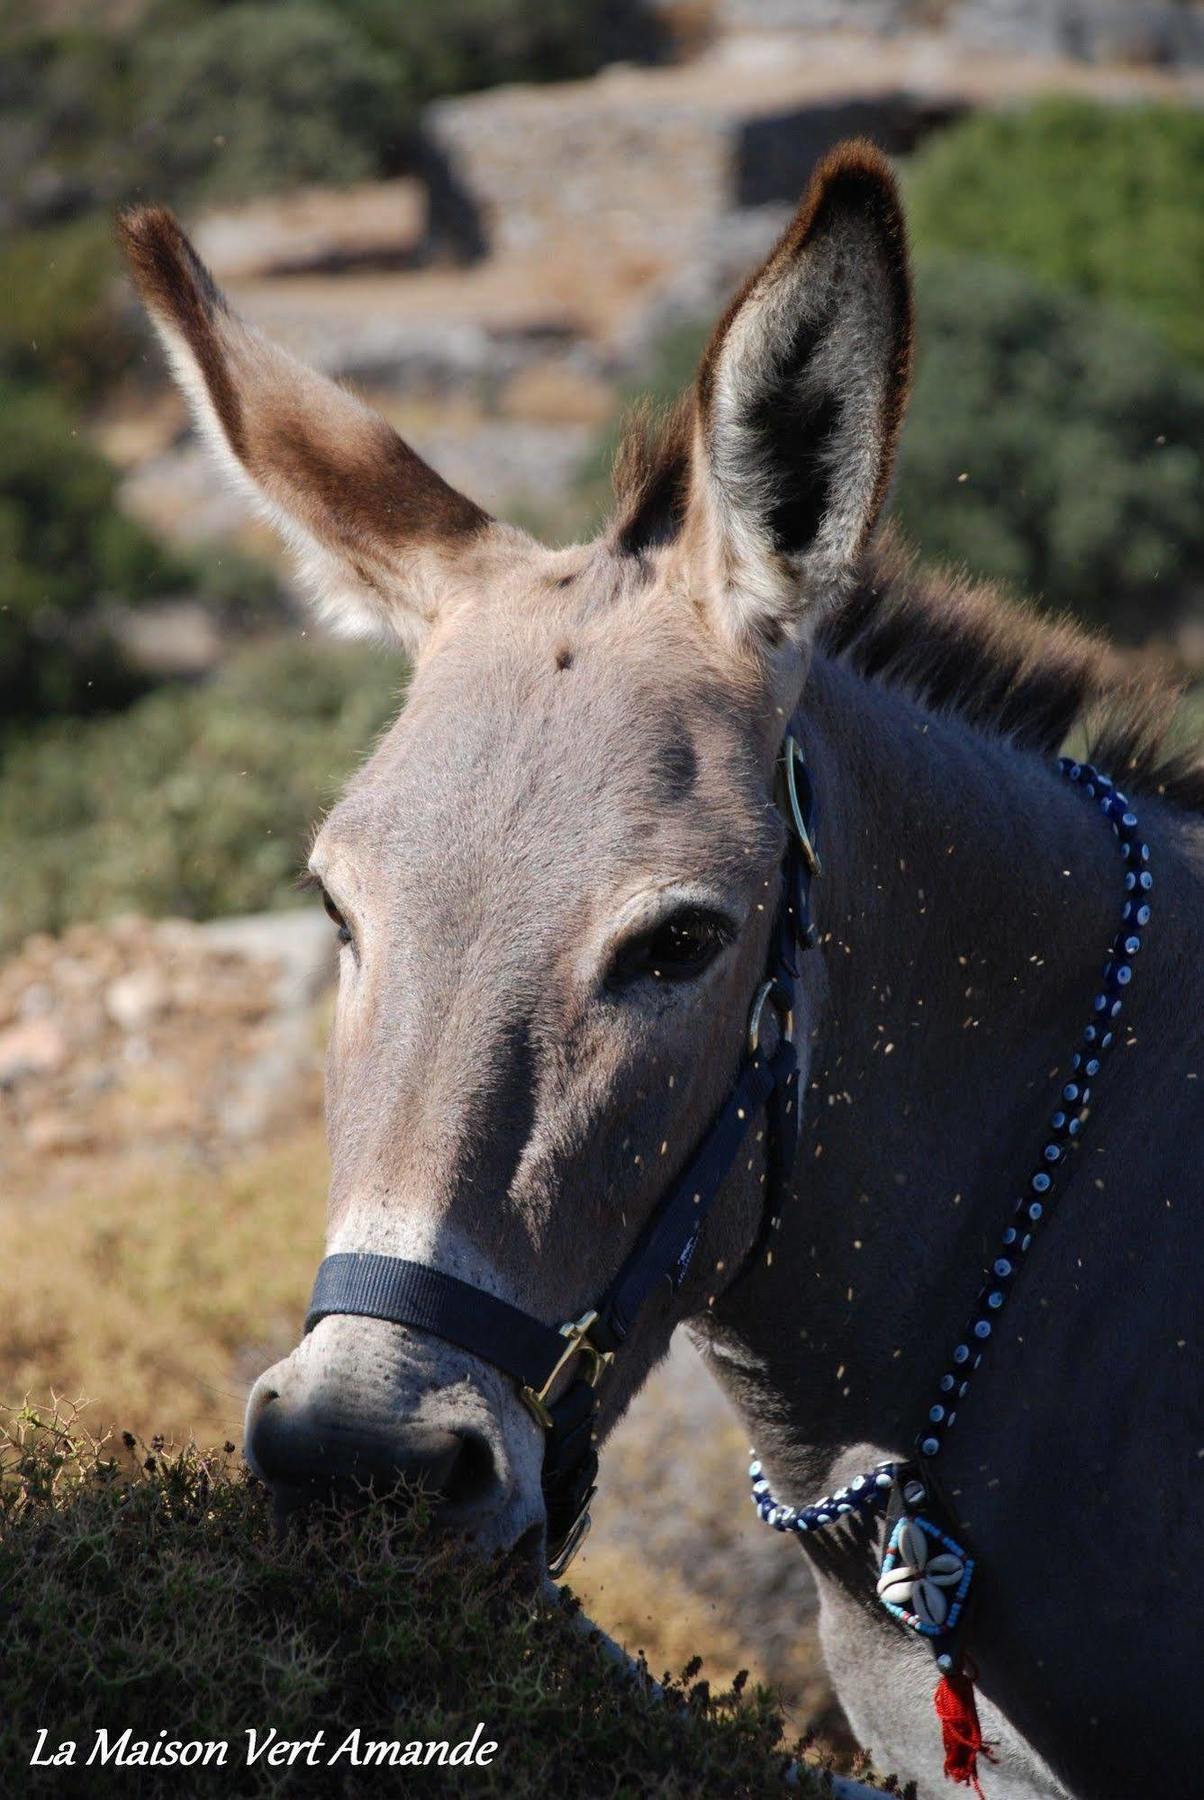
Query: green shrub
(1055,446)
(194,802)
(146,1588)
(61,321)
(194,99)
(456,46)
(1104,199)
(65,550)
(257,97)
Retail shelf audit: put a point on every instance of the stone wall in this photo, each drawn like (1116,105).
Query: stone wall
(1124,31)
(633,170)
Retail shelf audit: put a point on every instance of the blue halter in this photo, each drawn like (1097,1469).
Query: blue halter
(572,1358)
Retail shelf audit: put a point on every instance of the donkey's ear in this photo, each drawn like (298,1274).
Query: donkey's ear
(800,397)
(380,535)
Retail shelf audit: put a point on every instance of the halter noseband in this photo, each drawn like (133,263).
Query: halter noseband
(538,1356)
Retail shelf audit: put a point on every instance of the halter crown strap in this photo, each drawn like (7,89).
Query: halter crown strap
(536,1355)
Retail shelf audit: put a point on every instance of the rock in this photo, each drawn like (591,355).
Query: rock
(56,1134)
(133,1000)
(36,1047)
(379,224)
(175,637)
(1162,35)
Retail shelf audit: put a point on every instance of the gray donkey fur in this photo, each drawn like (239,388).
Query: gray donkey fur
(580,785)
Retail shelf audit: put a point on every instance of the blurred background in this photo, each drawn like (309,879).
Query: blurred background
(501,220)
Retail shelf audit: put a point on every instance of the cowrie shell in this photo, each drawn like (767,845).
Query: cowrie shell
(898,1592)
(945,1569)
(912,1546)
(896,1585)
(928,1603)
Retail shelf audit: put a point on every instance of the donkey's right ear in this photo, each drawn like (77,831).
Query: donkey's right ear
(800,397)
(380,535)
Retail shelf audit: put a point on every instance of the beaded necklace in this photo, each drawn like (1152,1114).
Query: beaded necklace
(926,1575)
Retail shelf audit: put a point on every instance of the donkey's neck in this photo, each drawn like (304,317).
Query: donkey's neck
(967,899)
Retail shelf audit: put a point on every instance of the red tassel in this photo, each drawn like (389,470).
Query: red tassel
(955,1708)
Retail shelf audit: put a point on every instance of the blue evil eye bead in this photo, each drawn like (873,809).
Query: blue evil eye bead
(1131,946)
(1009,1236)
(929,1446)
(982,1328)
(995,1300)
(1003,1267)
(936,1414)
(1074,1127)
(1051,1153)
(962,1353)
(1092,1067)
(1142,915)
(1035,1211)
(946,1384)
(1058,1121)
(1145,881)
(1070,1093)
(1026,1240)
(1041,1182)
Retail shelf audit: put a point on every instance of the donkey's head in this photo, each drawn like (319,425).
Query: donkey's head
(554,880)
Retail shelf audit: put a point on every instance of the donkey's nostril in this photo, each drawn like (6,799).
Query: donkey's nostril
(302,1452)
(472,1477)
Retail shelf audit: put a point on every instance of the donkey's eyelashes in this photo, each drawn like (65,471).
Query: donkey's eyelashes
(676,948)
(336,918)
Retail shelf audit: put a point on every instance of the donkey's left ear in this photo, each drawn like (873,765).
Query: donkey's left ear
(800,398)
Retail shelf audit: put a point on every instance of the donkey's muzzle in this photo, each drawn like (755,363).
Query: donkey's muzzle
(306,1454)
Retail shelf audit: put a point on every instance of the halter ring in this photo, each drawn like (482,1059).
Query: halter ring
(791,761)
(770,992)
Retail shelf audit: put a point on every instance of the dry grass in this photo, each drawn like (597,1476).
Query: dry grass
(159,1296)
(145,1589)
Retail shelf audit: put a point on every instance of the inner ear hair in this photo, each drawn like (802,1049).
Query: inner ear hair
(803,387)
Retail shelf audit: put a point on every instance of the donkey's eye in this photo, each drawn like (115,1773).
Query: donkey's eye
(677,949)
(336,918)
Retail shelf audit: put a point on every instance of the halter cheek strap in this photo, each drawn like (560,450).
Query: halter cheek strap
(573,1358)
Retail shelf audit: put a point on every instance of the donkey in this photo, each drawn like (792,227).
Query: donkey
(554,885)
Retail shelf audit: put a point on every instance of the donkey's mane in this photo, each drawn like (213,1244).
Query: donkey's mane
(963,646)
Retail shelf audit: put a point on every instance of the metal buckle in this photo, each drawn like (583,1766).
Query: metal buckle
(770,990)
(792,757)
(577,1533)
(579,1344)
